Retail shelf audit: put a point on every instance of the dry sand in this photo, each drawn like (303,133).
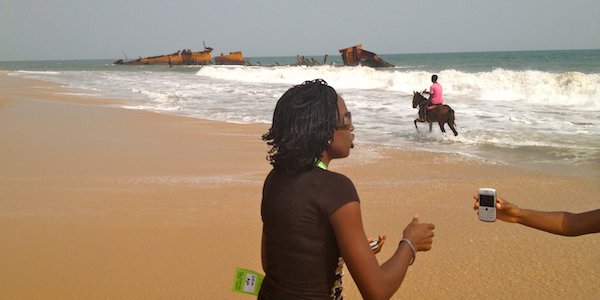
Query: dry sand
(99,202)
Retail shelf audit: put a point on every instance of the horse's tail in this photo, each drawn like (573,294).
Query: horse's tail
(451,117)
(451,122)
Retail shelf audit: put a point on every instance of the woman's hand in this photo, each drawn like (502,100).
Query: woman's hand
(380,245)
(420,234)
(505,211)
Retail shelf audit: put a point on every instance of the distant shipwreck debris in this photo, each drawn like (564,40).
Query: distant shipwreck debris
(181,57)
(188,57)
(310,62)
(356,55)
(352,56)
(233,58)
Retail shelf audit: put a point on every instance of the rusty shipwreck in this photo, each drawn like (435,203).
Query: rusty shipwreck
(357,56)
(233,58)
(181,57)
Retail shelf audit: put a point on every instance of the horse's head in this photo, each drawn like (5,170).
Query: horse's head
(417,99)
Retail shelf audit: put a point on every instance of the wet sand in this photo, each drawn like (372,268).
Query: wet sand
(100,202)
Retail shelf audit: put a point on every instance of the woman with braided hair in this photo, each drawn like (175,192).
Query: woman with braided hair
(311,216)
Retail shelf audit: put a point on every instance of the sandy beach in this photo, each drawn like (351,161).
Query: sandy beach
(100,202)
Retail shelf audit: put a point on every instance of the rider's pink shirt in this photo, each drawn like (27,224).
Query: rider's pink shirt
(436,93)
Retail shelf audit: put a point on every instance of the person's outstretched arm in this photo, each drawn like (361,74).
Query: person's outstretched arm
(374,281)
(558,222)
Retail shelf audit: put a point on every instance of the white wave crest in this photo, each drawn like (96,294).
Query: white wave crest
(36,72)
(570,89)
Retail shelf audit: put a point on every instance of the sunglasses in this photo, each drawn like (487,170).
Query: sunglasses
(345,122)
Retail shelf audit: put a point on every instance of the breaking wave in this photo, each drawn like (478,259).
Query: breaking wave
(569,89)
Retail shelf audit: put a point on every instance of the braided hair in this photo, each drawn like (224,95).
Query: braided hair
(304,121)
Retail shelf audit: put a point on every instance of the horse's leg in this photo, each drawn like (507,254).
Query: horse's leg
(429,117)
(442,126)
(453,129)
(451,124)
(416,124)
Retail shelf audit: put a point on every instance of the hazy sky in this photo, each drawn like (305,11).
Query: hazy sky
(88,29)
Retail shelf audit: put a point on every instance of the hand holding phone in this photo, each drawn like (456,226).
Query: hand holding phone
(376,243)
(373,244)
(487,204)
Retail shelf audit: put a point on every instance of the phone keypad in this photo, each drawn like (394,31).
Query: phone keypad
(487,214)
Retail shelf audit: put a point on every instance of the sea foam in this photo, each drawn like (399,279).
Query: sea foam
(530,87)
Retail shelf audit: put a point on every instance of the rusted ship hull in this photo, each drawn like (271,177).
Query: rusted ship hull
(233,58)
(356,55)
(185,57)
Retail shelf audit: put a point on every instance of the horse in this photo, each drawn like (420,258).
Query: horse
(436,113)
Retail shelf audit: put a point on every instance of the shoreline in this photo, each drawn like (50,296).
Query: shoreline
(106,202)
(564,158)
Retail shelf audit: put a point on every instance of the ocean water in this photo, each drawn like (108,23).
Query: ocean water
(537,109)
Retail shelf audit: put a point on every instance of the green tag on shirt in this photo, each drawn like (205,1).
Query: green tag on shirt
(247,281)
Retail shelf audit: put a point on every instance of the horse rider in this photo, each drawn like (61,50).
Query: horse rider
(435,98)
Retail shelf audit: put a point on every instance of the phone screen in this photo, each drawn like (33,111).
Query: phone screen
(486,200)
